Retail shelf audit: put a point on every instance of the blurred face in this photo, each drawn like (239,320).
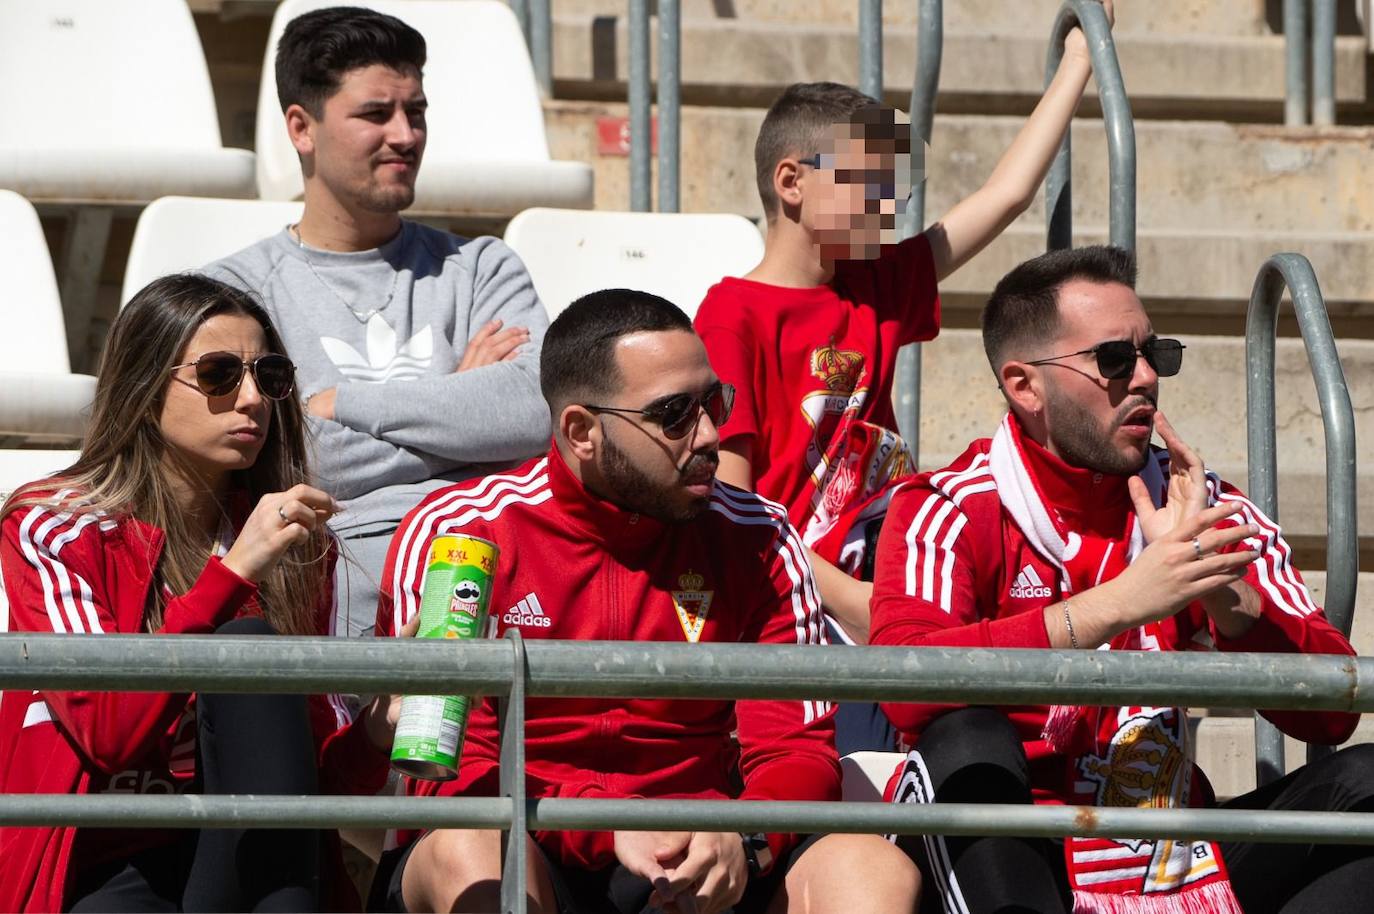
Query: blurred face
(216,435)
(1093,422)
(853,188)
(640,467)
(369,139)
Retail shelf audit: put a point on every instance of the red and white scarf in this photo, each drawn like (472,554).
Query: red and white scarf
(1128,756)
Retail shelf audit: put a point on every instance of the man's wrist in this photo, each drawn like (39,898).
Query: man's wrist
(758,855)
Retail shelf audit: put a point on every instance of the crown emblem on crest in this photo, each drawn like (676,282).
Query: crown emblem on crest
(692,604)
(838,369)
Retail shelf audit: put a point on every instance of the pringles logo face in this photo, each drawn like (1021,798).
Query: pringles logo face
(467,596)
(838,369)
(692,603)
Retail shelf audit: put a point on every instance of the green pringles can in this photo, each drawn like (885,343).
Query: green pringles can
(453,604)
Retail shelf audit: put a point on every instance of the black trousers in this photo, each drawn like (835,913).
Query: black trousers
(974,755)
(259,744)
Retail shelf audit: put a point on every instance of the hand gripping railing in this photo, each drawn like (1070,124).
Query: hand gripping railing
(1294,272)
(1116,113)
(511,669)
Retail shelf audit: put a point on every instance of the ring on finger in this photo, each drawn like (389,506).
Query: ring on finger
(1197,549)
(285,520)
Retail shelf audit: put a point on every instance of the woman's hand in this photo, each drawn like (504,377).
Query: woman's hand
(279,521)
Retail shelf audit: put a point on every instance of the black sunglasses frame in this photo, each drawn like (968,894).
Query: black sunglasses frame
(244,366)
(660,413)
(1116,349)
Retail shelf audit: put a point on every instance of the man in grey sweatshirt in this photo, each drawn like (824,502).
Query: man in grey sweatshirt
(417,352)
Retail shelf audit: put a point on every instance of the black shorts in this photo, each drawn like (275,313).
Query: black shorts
(611,890)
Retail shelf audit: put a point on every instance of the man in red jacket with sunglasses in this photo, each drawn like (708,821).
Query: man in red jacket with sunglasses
(1068,530)
(622,533)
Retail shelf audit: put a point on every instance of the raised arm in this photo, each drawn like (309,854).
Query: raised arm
(979,218)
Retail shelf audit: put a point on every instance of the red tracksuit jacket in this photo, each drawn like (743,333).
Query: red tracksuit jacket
(954,570)
(89,574)
(573,566)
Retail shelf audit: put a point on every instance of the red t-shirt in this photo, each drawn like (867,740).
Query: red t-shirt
(799,357)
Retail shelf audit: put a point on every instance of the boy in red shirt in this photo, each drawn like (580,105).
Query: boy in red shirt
(809,338)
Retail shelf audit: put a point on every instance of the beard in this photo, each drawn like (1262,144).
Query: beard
(391,198)
(1082,443)
(635,491)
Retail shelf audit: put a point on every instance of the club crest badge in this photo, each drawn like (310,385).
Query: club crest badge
(692,604)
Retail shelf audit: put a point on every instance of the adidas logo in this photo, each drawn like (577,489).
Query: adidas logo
(1028,585)
(527,612)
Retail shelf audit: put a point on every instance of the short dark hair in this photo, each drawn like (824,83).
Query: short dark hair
(317,48)
(797,122)
(1024,308)
(578,362)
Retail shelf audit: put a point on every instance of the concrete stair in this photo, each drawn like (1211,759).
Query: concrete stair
(743,60)
(1214,200)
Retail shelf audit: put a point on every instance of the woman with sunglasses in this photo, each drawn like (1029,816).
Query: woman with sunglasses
(187,512)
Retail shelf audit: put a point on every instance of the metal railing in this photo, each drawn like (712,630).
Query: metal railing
(930,30)
(1294,273)
(1318,82)
(536,22)
(1116,115)
(512,669)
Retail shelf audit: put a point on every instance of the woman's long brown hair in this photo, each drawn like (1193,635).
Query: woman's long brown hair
(123,470)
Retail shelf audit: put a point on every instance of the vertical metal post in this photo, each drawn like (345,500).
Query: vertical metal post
(929,48)
(83,256)
(1323,62)
(1294,272)
(540,37)
(641,126)
(514,844)
(669,103)
(871,48)
(521,8)
(1295,62)
(1116,115)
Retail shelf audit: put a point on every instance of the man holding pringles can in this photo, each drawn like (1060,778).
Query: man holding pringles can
(621,532)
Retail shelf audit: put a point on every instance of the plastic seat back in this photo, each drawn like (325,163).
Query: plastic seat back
(676,255)
(103,74)
(176,234)
(33,334)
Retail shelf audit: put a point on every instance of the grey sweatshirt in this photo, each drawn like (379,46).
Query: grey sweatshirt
(405,422)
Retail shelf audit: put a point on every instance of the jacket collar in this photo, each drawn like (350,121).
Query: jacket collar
(623,532)
(1087,501)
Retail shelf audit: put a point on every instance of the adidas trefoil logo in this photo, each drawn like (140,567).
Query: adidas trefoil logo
(527,612)
(1028,585)
(385,361)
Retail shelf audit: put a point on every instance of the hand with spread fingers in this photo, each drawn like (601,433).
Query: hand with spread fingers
(279,521)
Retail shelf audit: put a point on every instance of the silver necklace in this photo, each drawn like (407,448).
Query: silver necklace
(361,317)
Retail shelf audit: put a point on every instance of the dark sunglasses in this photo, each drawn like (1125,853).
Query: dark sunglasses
(1116,358)
(221,373)
(678,415)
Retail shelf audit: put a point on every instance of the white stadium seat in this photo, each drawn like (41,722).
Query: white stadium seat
(864,775)
(487,152)
(109,101)
(43,401)
(176,234)
(676,255)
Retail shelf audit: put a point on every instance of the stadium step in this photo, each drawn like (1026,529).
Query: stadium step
(1206,403)
(1168,70)
(1224,747)
(1214,200)
(1210,17)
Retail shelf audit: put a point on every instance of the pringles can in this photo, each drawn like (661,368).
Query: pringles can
(454,604)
